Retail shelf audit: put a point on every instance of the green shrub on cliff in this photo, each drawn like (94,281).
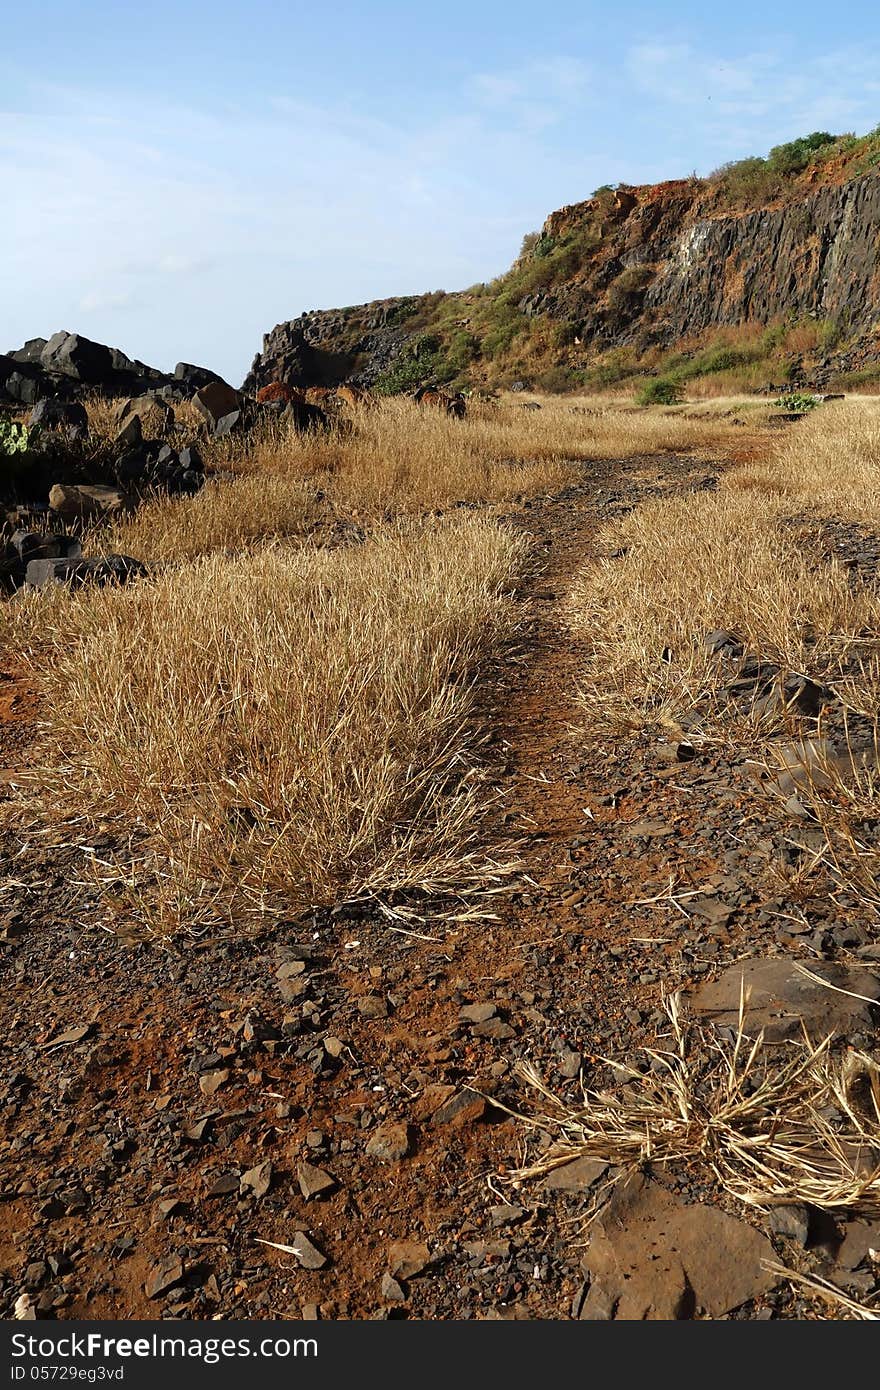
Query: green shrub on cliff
(428,358)
(797,154)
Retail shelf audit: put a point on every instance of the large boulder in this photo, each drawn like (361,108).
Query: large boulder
(156,415)
(69,354)
(303,415)
(21,381)
(68,364)
(31,351)
(215,402)
(24,546)
(44,545)
(194,378)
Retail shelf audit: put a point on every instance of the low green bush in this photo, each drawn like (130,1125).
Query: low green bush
(663,390)
(798,402)
(13,437)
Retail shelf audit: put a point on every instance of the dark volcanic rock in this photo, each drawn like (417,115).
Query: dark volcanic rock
(68,365)
(69,354)
(67,416)
(104,569)
(329,347)
(782,1000)
(653,1257)
(193,378)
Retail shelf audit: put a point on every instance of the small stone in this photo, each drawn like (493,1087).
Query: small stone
(570,1063)
(290,969)
(506,1214)
(431,1099)
(477,1013)
(465,1107)
(373,1006)
(391,1290)
(792,1221)
(313,1181)
(577,1176)
(257,1180)
(859,1239)
(390,1143)
(197,1132)
(308,1254)
(494,1028)
(212,1081)
(408,1258)
(223,1186)
(163,1276)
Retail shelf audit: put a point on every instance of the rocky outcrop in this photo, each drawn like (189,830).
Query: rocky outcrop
(329,346)
(639,267)
(67,365)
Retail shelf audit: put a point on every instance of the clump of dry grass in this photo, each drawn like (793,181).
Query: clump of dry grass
(405,457)
(829,463)
(680,568)
(771,1126)
(750,560)
(839,787)
(228,516)
(398,458)
(293,723)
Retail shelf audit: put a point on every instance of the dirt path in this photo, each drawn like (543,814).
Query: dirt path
(167,1110)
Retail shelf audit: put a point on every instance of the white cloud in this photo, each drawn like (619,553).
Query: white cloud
(105,299)
(260,213)
(764,90)
(537,94)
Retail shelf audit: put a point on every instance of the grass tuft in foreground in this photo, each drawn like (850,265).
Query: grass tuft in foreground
(294,723)
(770,1125)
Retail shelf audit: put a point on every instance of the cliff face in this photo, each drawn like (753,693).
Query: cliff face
(644,268)
(815,257)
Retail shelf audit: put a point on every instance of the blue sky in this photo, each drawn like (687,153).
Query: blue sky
(179,179)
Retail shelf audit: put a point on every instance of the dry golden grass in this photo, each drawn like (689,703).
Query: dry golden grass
(228,516)
(409,457)
(101,412)
(288,724)
(297,721)
(397,460)
(767,1125)
(749,559)
(829,463)
(736,560)
(683,567)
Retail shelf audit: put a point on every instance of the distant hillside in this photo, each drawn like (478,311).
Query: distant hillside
(769,269)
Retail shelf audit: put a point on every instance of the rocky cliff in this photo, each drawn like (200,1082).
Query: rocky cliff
(645,270)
